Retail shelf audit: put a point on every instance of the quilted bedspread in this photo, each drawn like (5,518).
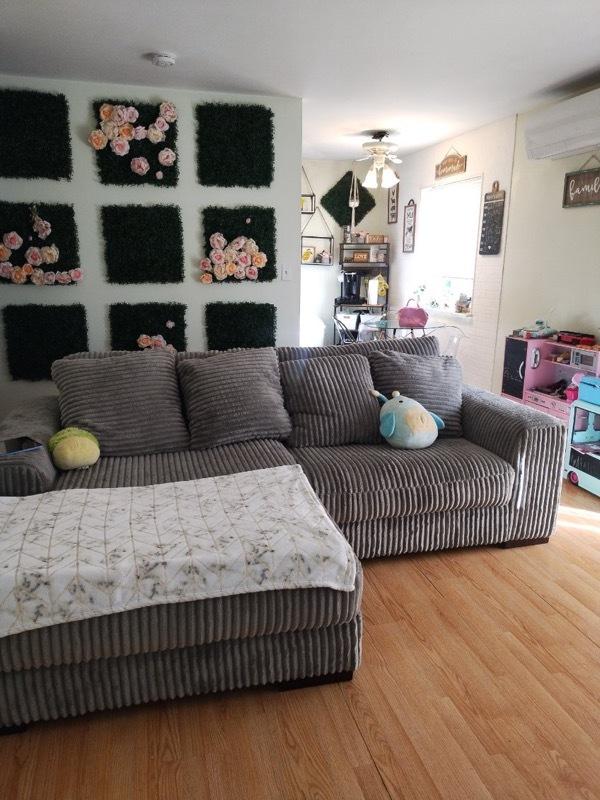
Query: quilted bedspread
(79,553)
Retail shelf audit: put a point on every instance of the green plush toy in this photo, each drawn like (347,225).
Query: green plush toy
(74,448)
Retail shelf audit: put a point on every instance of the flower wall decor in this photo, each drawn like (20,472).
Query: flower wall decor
(242,230)
(128,319)
(27,254)
(135,143)
(239,260)
(35,141)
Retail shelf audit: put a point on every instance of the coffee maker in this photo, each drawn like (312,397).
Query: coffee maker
(351,287)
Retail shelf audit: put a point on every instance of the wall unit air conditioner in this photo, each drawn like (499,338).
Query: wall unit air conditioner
(565,129)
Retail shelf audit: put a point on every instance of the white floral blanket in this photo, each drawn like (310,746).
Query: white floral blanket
(80,553)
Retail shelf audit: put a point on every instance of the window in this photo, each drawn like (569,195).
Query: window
(448,220)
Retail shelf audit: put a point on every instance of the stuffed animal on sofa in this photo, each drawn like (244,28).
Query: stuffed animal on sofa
(74,448)
(406,424)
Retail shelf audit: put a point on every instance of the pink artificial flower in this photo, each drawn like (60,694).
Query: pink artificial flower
(139,133)
(243,260)
(140,165)
(119,146)
(206,277)
(259,260)
(105,111)
(170,349)
(49,278)
(159,175)
(63,277)
(144,341)
(168,111)
(217,241)
(251,273)
(162,124)
(238,243)
(217,256)
(50,254)
(206,265)
(154,134)
(158,342)
(12,240)
(33,256)
(76,274)
(220,272)
(240,273)
(132,114)
(42,227)
(169,324)
(251,247)
(110,129)
(166,157)
(98,139)
(119,115)
(6,269)
(18,275)
(37,277)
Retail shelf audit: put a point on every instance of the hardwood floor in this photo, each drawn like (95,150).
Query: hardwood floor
(480,679)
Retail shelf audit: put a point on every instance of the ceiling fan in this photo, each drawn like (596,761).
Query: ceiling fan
(380,152)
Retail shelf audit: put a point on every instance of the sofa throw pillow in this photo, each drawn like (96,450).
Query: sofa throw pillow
(434,381)
(130,402)
(330,402)
(233,397)
(424,345)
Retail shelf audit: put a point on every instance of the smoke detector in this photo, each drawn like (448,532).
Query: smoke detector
(162,59)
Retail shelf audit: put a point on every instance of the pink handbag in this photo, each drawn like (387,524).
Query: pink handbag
(409,317)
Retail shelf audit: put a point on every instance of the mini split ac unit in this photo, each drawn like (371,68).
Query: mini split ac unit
(565,129)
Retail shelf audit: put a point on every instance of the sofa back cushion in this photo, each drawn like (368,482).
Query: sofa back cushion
(425,345)
(129,401)
(329,401)
(434,381)
(233,397)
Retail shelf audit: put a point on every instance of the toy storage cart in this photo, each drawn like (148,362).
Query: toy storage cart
(582,455)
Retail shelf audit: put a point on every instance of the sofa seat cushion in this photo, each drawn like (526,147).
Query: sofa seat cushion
(183,465)
(367,482)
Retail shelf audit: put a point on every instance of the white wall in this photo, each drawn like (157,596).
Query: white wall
(489,153)
(320,285)
(86,194)
(552,264)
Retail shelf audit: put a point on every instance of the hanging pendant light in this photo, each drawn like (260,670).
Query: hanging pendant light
(380,174)
(388,178)
(370,182)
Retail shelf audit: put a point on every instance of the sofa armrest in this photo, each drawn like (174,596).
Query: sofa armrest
(533,443)
(30,471)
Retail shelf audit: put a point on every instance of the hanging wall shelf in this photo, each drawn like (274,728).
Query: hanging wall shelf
(316,249)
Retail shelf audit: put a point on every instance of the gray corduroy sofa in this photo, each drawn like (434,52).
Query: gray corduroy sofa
(498,483)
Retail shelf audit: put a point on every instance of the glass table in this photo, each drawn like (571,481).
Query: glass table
(391,329)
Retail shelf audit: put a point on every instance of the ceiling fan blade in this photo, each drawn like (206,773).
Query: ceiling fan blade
(364,158)
(394,160)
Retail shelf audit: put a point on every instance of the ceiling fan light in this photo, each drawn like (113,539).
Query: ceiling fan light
(370,182)
(388,178)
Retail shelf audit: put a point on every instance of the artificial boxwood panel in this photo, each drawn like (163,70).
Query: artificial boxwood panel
(231,325)
(17,217)
(116,170)
(142,244)
(36,335)
(35,141)
(253,222)
(234,144)
(335,201)
(129,321)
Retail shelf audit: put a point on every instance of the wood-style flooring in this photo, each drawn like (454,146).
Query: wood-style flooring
(480,679)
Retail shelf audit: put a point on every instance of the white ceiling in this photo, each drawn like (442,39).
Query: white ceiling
(426,68)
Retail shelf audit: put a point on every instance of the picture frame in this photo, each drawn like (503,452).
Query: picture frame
(308,255)
(307,204)
(408,231)
(361,257)
(376,238)
(393,194)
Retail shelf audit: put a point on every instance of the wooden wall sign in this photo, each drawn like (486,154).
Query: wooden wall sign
(582,188)
(451,164)
(491,223)
(408,233)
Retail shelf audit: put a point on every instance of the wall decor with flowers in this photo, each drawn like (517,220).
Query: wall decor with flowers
(143,244)
(38,244)
(230,325)
(36,335)
(135,143)
(147,325)
(234,144)
(238,237)
(35,141)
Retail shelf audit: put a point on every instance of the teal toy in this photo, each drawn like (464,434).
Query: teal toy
(406,424)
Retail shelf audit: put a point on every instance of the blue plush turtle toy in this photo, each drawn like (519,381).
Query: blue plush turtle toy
(405,423)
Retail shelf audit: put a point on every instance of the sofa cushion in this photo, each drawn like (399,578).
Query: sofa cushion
(130,401)
(433,381)
(425,345)
(359,482)
(233,397)
(329,401)
(184,465)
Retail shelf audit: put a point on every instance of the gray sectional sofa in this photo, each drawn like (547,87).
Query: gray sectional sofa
(497,482)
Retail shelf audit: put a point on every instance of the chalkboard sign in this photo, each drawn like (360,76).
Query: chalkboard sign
(491,224)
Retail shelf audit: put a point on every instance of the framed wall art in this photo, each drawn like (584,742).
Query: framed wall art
(393,204)
(408,232)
